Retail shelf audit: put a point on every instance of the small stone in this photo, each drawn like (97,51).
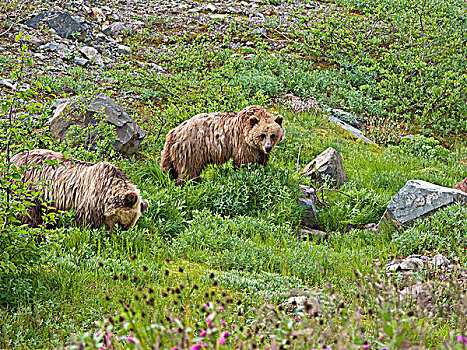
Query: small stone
(218,16)
(211,7)
(100,37)
(124,49)
(81,61)
(7,83)
(39,56)
(117,28)
(91,54)
(295,302)
(414,291)
(53,46)
(250,43)
(259,31)
(353,130)
(36,41)
(345,116)
(408,264)
(98,14)
(312,234)
(440,260)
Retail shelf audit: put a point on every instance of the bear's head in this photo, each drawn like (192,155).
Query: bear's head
(123,210)
(263,130)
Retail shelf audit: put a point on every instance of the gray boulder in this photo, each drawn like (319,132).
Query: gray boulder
(417,200)
(68,112)
(328,163)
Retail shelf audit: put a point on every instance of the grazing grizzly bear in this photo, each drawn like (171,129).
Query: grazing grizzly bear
(247,136)
(100,193)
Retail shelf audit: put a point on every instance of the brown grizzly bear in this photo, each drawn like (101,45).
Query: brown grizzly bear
(100,193)
(247,136)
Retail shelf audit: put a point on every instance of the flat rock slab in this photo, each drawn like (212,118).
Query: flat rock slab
(66,26)
(336,115)
(62,22)
(417,200)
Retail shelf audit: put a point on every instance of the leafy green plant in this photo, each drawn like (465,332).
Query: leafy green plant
(426,147)
(249,190)
(20,248)
(354,208)
(444,232)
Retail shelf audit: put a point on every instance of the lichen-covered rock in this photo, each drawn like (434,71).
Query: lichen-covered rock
(67,113)
(416,200)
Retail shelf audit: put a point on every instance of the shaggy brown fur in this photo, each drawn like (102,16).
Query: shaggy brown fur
(100,193)
(247,136)
(462,185)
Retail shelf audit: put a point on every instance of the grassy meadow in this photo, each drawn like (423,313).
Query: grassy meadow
(211,263)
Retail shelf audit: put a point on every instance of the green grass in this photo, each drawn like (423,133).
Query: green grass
(234,235)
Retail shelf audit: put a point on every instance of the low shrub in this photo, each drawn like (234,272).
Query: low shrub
(444,232)
(251,190)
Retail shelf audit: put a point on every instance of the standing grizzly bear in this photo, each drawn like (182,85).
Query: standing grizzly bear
(100,193)
(247,136)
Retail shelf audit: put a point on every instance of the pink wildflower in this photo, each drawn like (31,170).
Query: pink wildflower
(224,335)
(131,340)
(203,333)
(462,339)
(107,339)
(223,323)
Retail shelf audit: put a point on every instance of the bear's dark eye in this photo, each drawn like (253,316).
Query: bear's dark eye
(273,137)
(262,136)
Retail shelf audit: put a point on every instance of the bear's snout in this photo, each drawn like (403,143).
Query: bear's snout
(268,149)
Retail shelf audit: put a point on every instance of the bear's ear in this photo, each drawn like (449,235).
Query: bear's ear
(254,120)
(279,119)
(144,205)
(130,199)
